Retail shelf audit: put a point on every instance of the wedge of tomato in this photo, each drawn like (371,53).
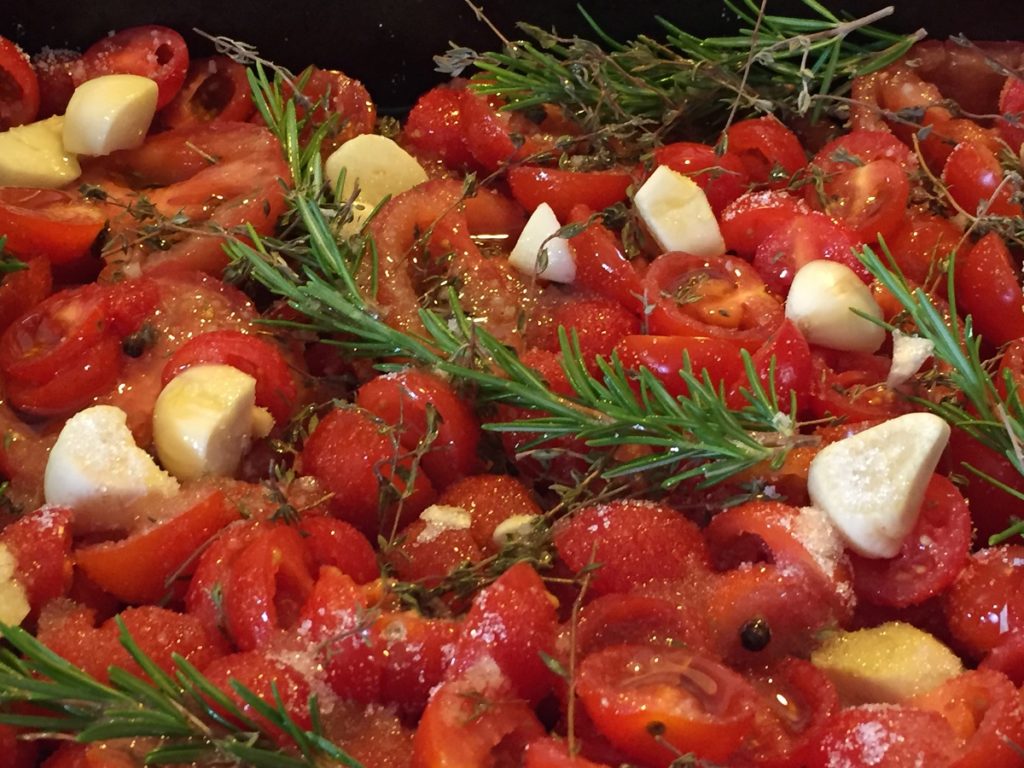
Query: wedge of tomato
(19,87)
(48,222)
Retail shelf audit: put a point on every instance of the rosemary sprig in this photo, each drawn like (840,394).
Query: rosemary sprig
(774,63)
(189,719)
(697,436)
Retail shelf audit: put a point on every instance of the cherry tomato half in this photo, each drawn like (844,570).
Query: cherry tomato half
(19,87)
(152,51)
(48,222)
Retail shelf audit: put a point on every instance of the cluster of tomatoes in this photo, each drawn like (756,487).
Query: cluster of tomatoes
(380,551)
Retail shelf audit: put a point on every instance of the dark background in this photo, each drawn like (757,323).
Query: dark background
(389,44)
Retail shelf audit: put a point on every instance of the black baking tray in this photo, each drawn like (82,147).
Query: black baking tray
(390,44)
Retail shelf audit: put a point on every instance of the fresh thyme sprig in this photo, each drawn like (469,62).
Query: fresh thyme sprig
(775,63)
(189,718)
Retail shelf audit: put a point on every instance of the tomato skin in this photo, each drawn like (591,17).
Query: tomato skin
(871,199)
(985,709)
(722,177)
(552,753)
(601,264)
(930,558)
(434,126)
(992,509)
(336,543)
(138,569)
(985,605)
(769,151)
(58,72)
(48,222)
(156,52)
(68,629)
(626,688)
(402,400)
(904,736)
(974,178)
(599,323)
(750,218)
(513,623)
(426,555)
(919,245)
(988,288)
(262,675)
(23,289)
(487,133)
(635,542)
(715,296)
(663,356)
(532,185)
(1011,102)
(275,385)
(796,703)
(803,239)
(785,360)
(346,99)
(19,103)
(853,390)
(489,499)
(21,753)
(41,544)
(268,581)
(453,734)
(345,451)
(215,88)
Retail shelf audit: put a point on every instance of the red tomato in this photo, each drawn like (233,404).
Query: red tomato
(402,400)
(275,385)
(48,222)
(21,753)
(884,734)
(216,88)
(434,126)
(922,243)
(871,199)
(656,703)
(19,97)
(457,732)
(988,288)
(143,567)
(750,218)
(722,176)
(715,296)
(427,552)
(663,356)
(1011,102)
(262,676)
(635,542)
(353,455)
(854,390)
(930,558)
(641,618)
(511,623)
(796,703)
(335,542)
(974,178)
(785,361)
(800,240)
(599,324)
(374,736)
(68,630)
(992,509)
(985,710)
(985,605)
(20,291)
(415,654)
(601,264)
(552,753)
(860,148)
(341,98)
(268,581)
(760,613)
(204,598)
(769,152)
(97,755)
(41,545)
(489,499)
(563,190)
(246,186)
(58,71)
(488,137)
(156,52)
